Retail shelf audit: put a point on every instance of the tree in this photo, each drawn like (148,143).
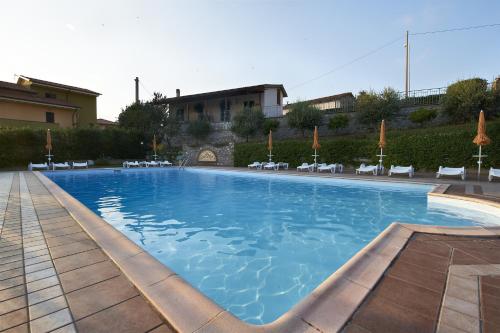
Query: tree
(422,116)
(270,125)
(372,107)
(304,116)
(465,99)
(199,129)
(248,122)
(338,121)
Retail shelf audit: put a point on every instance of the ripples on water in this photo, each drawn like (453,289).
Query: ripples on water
(255,245)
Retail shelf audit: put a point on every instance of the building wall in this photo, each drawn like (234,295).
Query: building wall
(28,113)
(88,103)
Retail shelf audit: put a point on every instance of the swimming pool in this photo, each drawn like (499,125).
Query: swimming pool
(254,243)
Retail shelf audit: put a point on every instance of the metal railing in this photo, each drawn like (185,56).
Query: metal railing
(273,111)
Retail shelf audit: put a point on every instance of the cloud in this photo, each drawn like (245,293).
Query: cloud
(70,26)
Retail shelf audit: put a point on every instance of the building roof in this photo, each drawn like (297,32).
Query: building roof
(324,99)
(13,92)
(58,85)
(226,93)
(101,121)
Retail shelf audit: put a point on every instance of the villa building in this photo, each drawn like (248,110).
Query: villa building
(339,102)
(220,106)
(38,103)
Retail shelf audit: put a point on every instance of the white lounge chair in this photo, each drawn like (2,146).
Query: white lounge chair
(165,163)
(445,171)
(80,165)
(151,164)
(255,165)
(305,167)
(401,170)
(367,169)
(493,173)
(128,164)
(283,165)
(271,166)
(333,168)
(64,165)
(34,166)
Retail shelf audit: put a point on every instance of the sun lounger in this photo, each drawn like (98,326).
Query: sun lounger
(444,171)
(367,169)
(271,166)
(305,167)
(401,170)
(151,164)
(493,173)
(165,163)
(34,166)
(255,165)
(333,168)
(283,165)
(64,165)
(128,164)
(79,165)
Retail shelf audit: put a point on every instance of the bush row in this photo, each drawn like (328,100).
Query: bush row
(425,149)
(19,146)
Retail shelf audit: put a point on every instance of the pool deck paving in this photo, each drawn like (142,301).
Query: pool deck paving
(60,274)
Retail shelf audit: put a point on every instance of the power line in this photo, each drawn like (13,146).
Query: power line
(456,29)
(348,63)
(142,85)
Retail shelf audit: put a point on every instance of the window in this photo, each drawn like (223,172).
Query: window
(49,117)
(50,95)
(180,114)
(278,97)
(225,110)
(248,104)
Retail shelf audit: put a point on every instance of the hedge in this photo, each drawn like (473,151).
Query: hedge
(19,146)
(425,149)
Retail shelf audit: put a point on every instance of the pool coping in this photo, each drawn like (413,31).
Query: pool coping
(327,308)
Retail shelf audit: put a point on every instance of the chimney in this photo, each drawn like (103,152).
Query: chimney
(177,93)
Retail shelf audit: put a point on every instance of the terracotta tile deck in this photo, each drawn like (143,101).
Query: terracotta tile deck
(53,276)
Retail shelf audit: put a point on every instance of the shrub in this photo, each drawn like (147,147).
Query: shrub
(19,146)
(422,115)
(199,129)
(248,122)
(304,116)
(426,148)
(465,99)
(372,107)
(270,124)
(338,121)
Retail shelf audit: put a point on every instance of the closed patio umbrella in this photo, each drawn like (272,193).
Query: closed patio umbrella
(381,145)
(270,144)
(481,140)
(315,145)
(48,146)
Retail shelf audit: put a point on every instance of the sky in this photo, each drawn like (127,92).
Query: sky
(200,46)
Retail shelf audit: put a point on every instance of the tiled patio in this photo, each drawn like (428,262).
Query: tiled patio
(53,277)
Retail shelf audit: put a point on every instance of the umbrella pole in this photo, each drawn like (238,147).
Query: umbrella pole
(381,157)
(479,164)
(270,156)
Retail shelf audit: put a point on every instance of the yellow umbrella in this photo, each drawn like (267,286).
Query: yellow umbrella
(154,146)
(270,144)
(316,144)
(381,145)
(481,140)
(48,146)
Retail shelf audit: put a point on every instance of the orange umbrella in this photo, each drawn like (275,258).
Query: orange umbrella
(481,140)
(48,146)
(316,144)
(270,144)
(381,145)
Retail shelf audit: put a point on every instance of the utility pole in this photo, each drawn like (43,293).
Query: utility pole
(136,89)
(407,65)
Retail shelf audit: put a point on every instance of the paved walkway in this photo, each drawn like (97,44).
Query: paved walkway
(53,277)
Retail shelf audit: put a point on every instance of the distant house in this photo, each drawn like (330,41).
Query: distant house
(222,105)
(104,123)
(339,102)
(39,103)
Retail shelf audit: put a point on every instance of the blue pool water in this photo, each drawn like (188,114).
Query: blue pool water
(255,244)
